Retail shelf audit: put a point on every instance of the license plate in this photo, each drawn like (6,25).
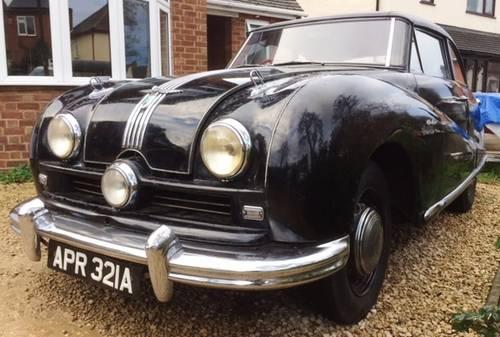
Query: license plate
(123,276)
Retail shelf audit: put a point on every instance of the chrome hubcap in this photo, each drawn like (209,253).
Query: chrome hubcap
(369,241)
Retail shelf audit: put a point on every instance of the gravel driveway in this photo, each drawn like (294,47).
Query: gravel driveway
(435,270)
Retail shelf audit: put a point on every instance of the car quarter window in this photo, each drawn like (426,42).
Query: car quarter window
(458,72)
(415,65)
(432,55)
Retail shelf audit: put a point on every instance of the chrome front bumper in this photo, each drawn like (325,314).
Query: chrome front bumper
(170,260)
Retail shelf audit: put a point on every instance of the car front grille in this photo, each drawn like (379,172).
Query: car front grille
(156,201)
(184,201)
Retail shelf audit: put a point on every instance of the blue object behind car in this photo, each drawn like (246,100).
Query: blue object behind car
(488,111)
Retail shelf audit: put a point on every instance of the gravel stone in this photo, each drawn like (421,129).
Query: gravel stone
(435,270)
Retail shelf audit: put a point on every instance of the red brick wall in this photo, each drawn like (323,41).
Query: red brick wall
(238,27)
(19,109)
(189,36)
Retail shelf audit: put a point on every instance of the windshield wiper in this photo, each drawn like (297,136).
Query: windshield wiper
(291,63)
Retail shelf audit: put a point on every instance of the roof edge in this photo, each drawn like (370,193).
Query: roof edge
(415,20)
(240,7)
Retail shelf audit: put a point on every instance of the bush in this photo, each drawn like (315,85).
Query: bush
(17,175)
(486,321)
(490,174)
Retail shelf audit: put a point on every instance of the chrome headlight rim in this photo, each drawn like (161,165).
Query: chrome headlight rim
(130,178)
(76,133)
(245,141)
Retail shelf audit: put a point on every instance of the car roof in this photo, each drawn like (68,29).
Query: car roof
(415,20)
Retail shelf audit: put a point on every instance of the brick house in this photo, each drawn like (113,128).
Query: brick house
(49,46)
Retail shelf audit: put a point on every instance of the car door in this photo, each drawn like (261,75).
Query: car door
(442,84)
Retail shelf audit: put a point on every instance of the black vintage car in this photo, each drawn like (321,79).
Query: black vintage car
(288,167)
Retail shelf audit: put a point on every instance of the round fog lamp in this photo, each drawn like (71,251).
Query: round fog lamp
(119,184)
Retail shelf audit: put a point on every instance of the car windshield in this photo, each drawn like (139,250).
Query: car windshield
(376,42)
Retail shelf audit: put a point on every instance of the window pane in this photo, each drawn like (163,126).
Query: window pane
(469,71)
(457,69)
(21,25)
(28,55)
(165,44)
(336,42)
(89,26)
(493,82)
(400,43)
(475,6)
(30,25)
(431,55)
(137,43)
(480,76)
(415,66)
(489,7)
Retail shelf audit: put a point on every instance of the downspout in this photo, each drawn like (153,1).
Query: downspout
(377,5)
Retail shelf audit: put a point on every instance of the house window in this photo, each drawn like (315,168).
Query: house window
(493,78)
(65,42)
(254,24)
(26,26)
(89,32)
(164,42)
(137,38)
(482,7)
(26,53)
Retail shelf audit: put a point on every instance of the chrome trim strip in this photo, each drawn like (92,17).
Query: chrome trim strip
(231,63)
(151,99)
(447,200)
(144,120)
(232,267)
(391,42)
(135,129)
(131,121)
(190,208)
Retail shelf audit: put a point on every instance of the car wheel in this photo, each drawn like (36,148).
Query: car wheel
(464,202)
(348,295)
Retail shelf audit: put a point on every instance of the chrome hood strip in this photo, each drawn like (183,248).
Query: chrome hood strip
(135,129)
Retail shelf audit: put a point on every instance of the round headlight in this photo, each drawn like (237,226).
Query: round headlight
(224,148)
(64,135)
(119,184)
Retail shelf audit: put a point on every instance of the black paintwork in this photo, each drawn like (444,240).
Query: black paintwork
(314,129)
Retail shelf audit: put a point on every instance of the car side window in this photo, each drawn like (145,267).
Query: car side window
(415,66)
(432,55)
(456,66)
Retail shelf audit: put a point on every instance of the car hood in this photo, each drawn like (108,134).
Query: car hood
(160,119)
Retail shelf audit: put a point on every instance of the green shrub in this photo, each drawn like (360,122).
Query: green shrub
(17,175)
(486,321)
(490,174)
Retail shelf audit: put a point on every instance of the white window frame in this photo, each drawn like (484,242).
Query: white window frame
(61,45)
(24,20)
(165,7)
(254,22)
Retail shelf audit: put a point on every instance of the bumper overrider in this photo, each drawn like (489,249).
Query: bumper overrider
(170,260)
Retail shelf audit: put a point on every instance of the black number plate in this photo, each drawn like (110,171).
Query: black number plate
(120,275)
